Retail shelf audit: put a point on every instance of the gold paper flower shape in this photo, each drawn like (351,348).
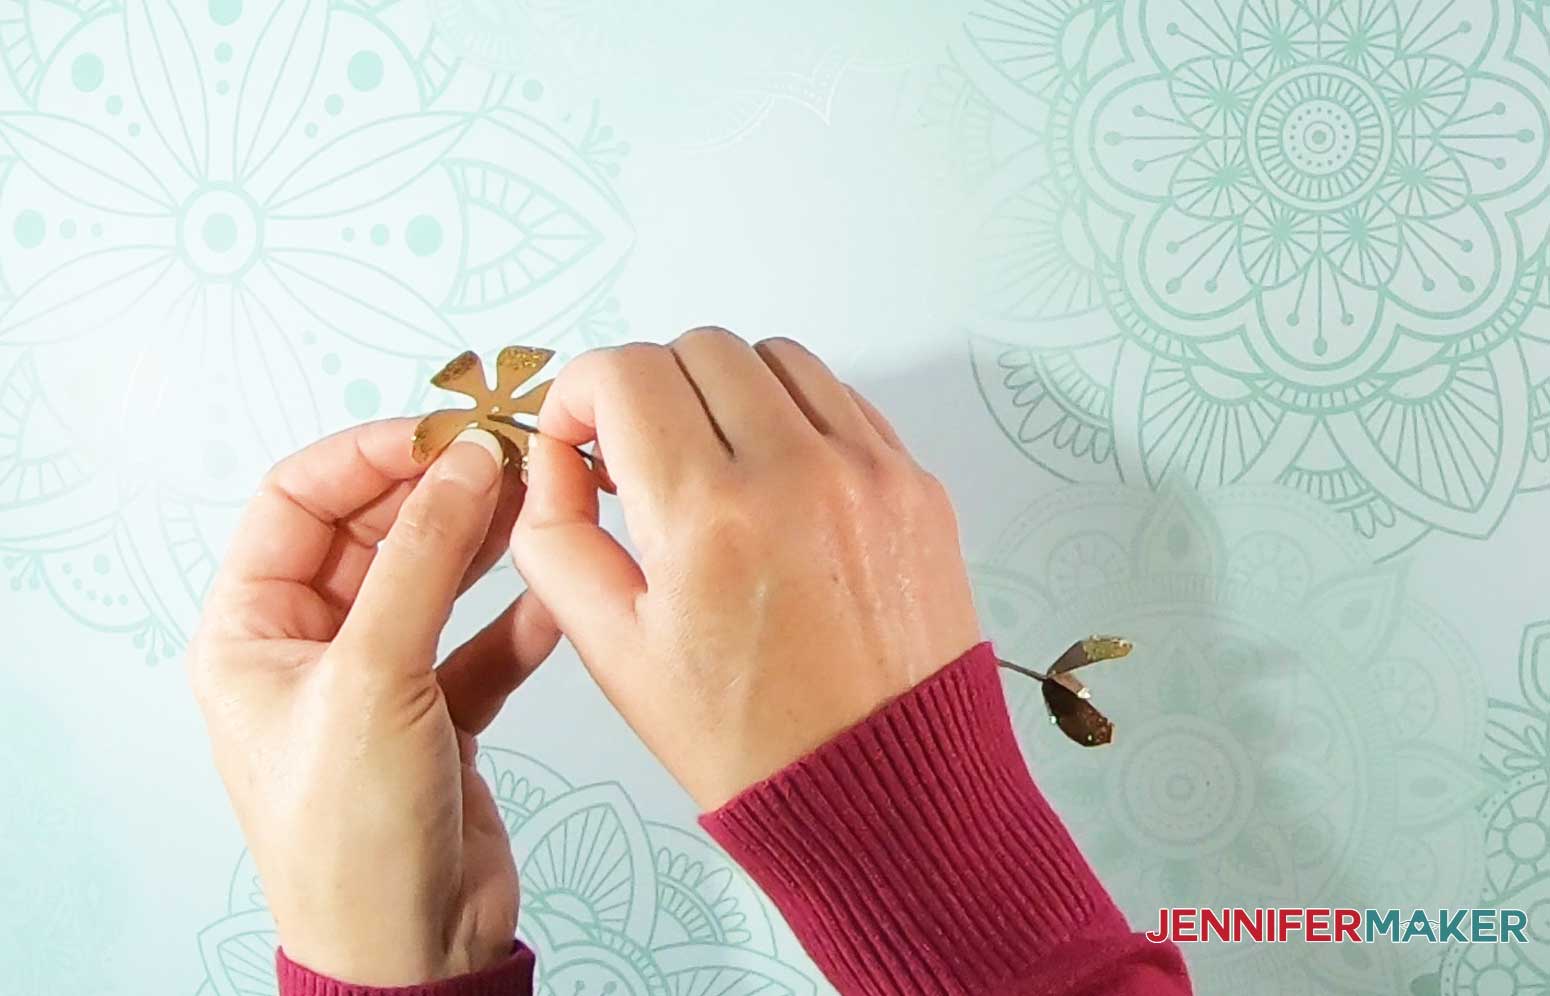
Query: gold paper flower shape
(495,410)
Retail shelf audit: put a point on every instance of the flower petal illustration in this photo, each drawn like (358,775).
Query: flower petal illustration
(279,75)
(238,953)
(543,232)
(267,366)
(1207,427)
(1534,666)
(1322,199)
(136,174)
(1445,444)
(30,35)
(702,968)
(38,461)
(85,164)
(166,72)
(86,293)
(1036,268)
(1180,536)
(1051,405)
(1501,133)
(1442,788)
(361,302)
(543,236)
(368,164)
(1359,610)
(590,848)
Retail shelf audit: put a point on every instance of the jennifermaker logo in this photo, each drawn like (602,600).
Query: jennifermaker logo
(1338,926)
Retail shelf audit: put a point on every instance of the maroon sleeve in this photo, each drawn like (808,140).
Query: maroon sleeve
(512,977)
(913,854)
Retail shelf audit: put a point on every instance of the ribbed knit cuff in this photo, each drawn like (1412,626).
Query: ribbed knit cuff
(512,977)
(913,853)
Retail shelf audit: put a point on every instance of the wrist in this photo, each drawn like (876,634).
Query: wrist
(510,975)
(392,960)
(921,823)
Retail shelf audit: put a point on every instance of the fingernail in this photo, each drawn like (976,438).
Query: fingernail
(476,467)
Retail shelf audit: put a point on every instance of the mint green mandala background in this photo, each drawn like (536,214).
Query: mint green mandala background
(235,228)
(1225,325)
(1298,241)
(1516,836)
(1302,725)
(611,903)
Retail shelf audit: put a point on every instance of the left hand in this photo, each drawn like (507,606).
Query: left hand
(347,754)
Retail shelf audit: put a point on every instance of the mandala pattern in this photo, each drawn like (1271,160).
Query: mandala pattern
(236,225)
(611,904)
(1291,724)
(1516,841)
(714,77)
(1298,241)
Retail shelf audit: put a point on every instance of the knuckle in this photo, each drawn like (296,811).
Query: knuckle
(270,483)
(729,533)
(705,335)
(932,497)
(778,343)
(525,543)
(832,478)
(634,353)
(930,485)
(730,509)
(731,494)
(616,364)
(896,477)
(425,524)
(901,485)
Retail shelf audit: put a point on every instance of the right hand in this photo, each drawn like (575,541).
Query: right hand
(797,568)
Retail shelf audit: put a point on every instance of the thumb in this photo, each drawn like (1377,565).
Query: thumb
(580,573)
(406,596)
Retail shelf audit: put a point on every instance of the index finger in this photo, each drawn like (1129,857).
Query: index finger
(638,405)
(287,529)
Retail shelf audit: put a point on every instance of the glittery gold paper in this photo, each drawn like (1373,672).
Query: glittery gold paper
(1067,699)
(495,410)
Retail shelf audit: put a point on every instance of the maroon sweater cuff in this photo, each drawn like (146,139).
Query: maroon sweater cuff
(512,977)
(913,853)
